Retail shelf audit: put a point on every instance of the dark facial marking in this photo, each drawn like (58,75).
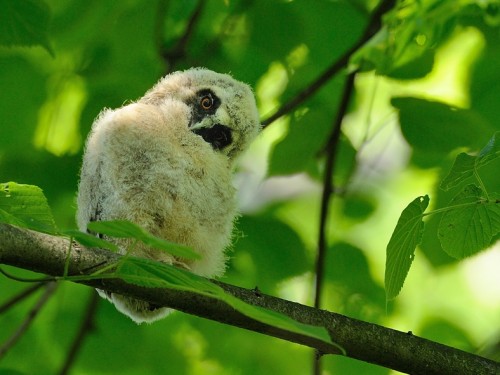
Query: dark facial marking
(219,136)
(203,104)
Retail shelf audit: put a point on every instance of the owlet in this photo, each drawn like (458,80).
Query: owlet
(165,163)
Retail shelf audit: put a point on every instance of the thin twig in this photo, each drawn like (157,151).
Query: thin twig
(371,29)
(19,297)
(86,327)
(328,184)
(178,52)
(11,341)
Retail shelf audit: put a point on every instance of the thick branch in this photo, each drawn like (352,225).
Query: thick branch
(364,341)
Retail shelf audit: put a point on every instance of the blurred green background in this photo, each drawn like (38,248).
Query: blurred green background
(101,54)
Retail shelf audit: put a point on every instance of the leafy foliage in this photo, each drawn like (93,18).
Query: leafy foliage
(467,166)
(401,247)
(24,23)
(438,128)
(471,224)
(25,206)
(106,53)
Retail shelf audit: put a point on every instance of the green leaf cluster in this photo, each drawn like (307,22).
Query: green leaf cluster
(25,23)
(107,53)
(468,225)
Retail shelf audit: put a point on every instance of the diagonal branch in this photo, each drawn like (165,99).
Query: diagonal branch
(19,297)
(50,288)
(86,327)
(178,51)
(374,25)
(361,340)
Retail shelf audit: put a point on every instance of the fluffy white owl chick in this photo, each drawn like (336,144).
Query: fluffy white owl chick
(165,163)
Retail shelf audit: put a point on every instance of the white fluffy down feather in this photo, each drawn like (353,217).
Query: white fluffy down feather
(165,163)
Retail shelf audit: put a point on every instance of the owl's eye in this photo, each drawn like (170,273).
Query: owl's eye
(206,102)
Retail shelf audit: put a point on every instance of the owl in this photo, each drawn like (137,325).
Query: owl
(165,162)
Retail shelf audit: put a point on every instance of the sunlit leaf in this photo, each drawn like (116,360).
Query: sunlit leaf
(470,226)
(24,23)
(303,146)
(25,206)
(466,165)
(306,135)
(438,128)
(127,229)
(401,248)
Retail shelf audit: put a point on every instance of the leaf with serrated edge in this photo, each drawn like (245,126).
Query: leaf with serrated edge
(25,23)
(465,164)
(127,229)
(470,226)
(26,206)
(401,248)
(463,168)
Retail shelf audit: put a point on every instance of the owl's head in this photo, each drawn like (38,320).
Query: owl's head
(223,110)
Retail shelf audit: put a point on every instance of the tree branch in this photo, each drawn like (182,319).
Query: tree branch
(361,340)
(331,149)
(86,326)
(178,51)
(328,183)
(50,288)
(374,25)
(19,297)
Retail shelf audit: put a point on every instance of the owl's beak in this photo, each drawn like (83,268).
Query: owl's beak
(219,136)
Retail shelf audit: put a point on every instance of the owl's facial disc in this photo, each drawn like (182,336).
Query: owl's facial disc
(204,108)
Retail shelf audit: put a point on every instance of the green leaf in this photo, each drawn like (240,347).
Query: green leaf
(24,23)
(401,248)
(302,147)
(25,206)
(126,229)
(260,236)
(6,371)
(306,134)
(89,240)
(148,273)
(466,165)
(438,128)
(470,224)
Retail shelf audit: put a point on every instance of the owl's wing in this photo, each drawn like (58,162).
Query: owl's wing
(131,165)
